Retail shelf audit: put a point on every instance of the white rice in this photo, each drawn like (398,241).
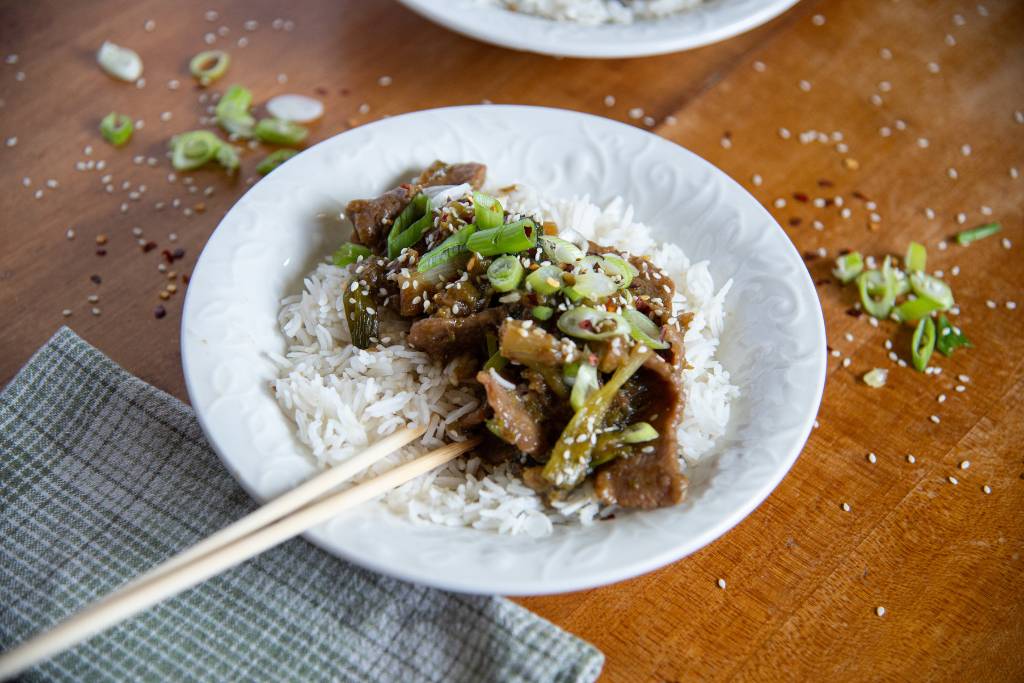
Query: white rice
(342,398)
(594,12)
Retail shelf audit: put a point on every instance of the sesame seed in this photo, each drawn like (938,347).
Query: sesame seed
(952,173)
(987,489)
(935,418)
(990,303)
(911,459)
(953,480)
(609,100)
(95,310)
(12,141)
(1014,173)
(872,458)
(847,362)
(384,81)
(885,53)
(818,20)
(880,611)
(636,113)
(876,99)
(721,584)
(66,312)
(759,66)
(933,67)
(784,133)
(961,218)
(965,464)
(1006,243)
(805,86)
(756,180)
(780,203)
(941,398)
(845,507)
(1011,305)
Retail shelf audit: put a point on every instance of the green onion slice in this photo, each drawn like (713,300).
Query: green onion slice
(209,65)
(639,432)
(542,312)
(876,377)
(194,149)
(414,212)
(594,324)
(592,287)
(227,156)
(362,317)
(932,287)
(974,234)
(586,383)
(510,238)
(487,211)
(880,307)
(120,62)
(280,132)
(450,249)
(116,128)
(274,159)
(916,257)
(545,280)
(948,338)
(643,329)
(848,266)
(559,250)
(912,310)
(923,343)
(232,111)
(505,273)
(349,253)
(619,268)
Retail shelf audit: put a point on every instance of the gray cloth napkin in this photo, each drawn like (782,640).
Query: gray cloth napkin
(102,476)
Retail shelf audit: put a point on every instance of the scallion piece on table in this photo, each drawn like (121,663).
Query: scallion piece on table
(571,456)
(487,211)
(643,329)
(505,273)
(559,250)
(209,65)
(848,266)
(592,287)
(542,312)
(979,233)
(349,253)
(120,62)
(414,211)
(949,338)
(592,324)
(232,111)
(274,159)
(585,383)
(916,257)
(876,377)
(912,310)
(280,132)
(510,238)
(194,149)
(451,248)
(925,285)
(227,156)
(881,306)
(117,128)
(923,343)
(639,432)
(545,280)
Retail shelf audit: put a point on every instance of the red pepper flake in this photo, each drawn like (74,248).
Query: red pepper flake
(185,277)
(168,256)
(178,253)
(96,279)
(586,325)
(159,312)
(822,282)
(859,195)
(727,135)
(844,252)
(344,92)
(795,221)
(800,197)
(148,247)
(101,252)
(854,312)
(320,90)
(825,182)
(810,256)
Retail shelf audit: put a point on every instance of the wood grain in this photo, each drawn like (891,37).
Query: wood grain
(804,577)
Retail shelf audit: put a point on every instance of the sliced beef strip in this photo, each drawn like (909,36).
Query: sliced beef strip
(372,218)
(651,480)
(444,337)
(440,173)
(516,424)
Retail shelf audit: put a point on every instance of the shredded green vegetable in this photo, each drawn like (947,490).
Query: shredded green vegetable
(274,159)
(586,383)
(923,343)
(117,128)
(974,234)
(505,273)
(280,132)
(450,249)
(848,266)
(232,111)
(639,432)
(349,253)
(209,65)
(510,238)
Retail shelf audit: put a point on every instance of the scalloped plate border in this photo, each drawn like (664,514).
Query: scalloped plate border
(711,22)
(773,343)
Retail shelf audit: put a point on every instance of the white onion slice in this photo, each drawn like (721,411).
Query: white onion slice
(119,62)
(297,108)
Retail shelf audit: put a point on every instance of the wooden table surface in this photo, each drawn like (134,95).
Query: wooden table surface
(880,98)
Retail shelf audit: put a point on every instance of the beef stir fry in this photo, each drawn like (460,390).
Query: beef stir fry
(573,345)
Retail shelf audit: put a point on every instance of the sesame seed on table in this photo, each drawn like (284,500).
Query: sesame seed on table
(858,124)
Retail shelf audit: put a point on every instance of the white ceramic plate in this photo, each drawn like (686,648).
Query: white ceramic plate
(708,23)
(773,343)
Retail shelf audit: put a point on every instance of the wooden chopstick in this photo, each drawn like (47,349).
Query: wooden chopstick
(162,583)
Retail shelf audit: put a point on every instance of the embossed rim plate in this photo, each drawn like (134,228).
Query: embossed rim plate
(708,23)
(773,343)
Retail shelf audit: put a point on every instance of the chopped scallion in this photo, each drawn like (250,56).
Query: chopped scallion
(542,312)
(510,238)
(120,62)
(505,273)
(643,329)
(117,128)
(639,432)
(227,156)
(916,257)
(450,249)
(619,268)
(194,149)
(974,234)
(559,250)
(280,132)
(545,280)
(274,159)
(848,266)
(925,285)
(586,383)
(209,65)
(912,310)
(232,111)
(592,287)
(593,324)
(349,253)
(408,220)
(880,307)
(487,211)
(949,338)
(923,343)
